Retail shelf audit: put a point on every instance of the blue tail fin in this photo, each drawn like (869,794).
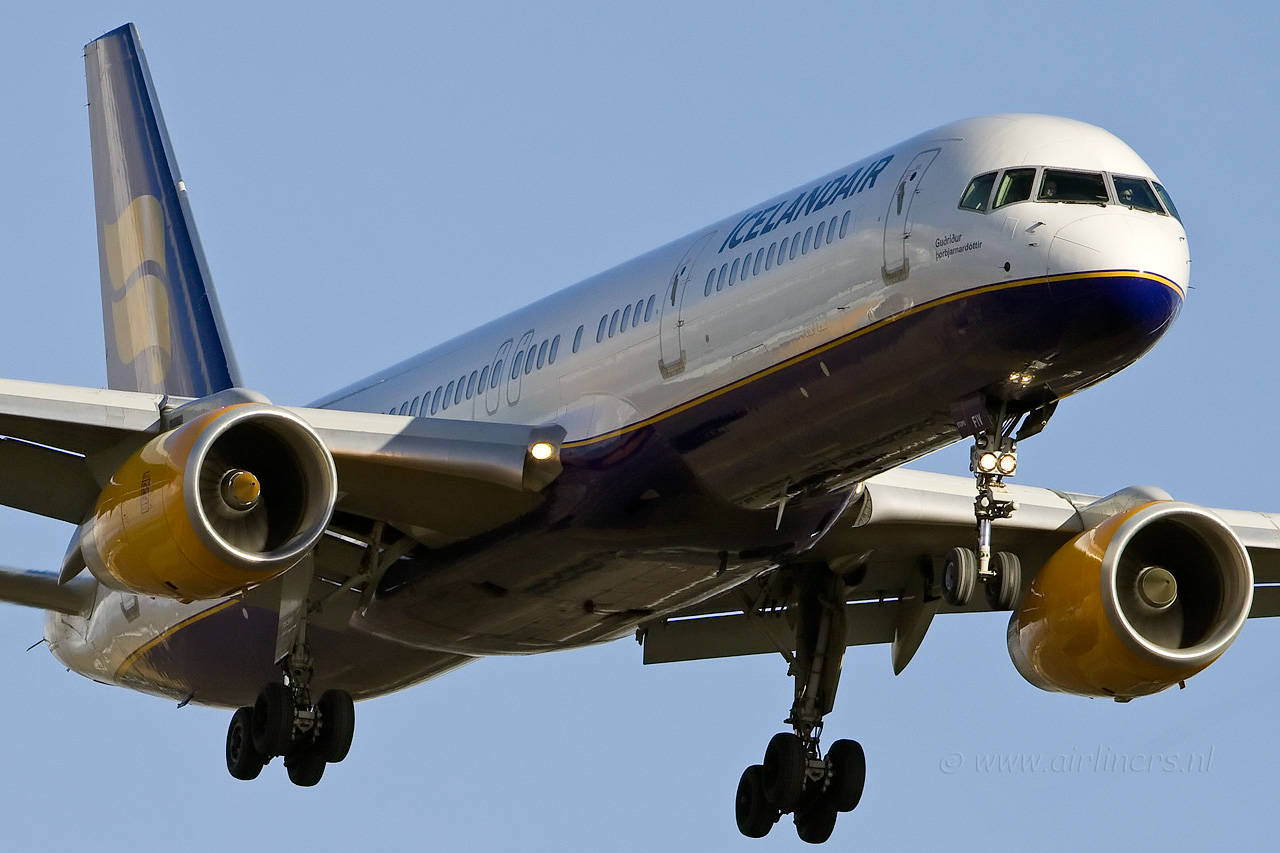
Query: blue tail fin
(163,328)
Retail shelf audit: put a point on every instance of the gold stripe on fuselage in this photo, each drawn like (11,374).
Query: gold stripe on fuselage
(796,359)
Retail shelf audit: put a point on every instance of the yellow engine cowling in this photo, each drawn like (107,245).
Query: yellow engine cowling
(1139,603)
(230,499)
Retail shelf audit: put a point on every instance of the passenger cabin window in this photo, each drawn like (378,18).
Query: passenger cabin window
(626,318)
(471,384)
(528,360)
(457,392)
(768,259)
(577,339)
(817,237)
(448,395)
(1073,187)
(782,250)
(1136,193)
(542,353)
(613,322)
(976,196)
(844,224)
(604,323)
(635,318)
(724,268)
(1168,202)
(484,379)
(1015,185)
(755,268)
(831,231)
(711,278)
(648,307)
(555,348)
(413,409)
(435,401)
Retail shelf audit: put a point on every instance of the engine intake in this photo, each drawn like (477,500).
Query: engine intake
(231,499)
(1143,601)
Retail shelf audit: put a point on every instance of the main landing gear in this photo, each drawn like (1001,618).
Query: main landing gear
(796,777)
(285,722)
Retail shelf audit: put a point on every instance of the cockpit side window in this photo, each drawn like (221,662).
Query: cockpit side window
(978,193)
(1074,187)
(1168,202)
(1015,185)
(1136,193)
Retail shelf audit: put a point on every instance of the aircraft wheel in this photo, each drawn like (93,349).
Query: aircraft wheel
(754,813)
(959,576)
(243,759)
(815,823)
(273,720)
(305,767)
(784,771)
(1002,590)
(337,725)
(848,769)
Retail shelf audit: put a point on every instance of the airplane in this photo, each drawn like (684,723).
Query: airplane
(701,448)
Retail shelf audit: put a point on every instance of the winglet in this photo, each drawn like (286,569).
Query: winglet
(164,331)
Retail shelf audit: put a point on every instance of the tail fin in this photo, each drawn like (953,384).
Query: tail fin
(164,331)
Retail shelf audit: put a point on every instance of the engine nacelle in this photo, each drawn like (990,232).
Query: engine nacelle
(1139,603)
(231,499)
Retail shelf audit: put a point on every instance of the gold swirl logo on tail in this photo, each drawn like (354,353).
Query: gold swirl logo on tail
(134,246)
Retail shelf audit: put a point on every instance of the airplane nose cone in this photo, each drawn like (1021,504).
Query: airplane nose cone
(1122,240)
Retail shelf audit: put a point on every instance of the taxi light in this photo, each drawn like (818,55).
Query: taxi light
(541,451)
(987,462)
(1008,463)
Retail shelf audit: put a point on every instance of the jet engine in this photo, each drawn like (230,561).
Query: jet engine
(230,499)
(1139,603)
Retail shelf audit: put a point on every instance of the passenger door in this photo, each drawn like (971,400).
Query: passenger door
(897,222)
(671,358)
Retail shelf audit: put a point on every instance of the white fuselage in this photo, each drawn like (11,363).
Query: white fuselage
(737,300)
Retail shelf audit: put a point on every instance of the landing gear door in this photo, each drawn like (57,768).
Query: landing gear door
(671,360)
(897,221)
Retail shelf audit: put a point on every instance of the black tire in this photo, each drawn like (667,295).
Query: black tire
(815,823)
(1003,589)
(753,811)
(784,770)
(848,768)
(959,576)
(273,720)
(337,725)
(305,767)
(243,759)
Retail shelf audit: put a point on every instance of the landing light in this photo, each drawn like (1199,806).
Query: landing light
(541,451)
(1008,463)
(987,462)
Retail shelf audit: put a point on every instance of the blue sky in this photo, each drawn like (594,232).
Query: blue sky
(371,181)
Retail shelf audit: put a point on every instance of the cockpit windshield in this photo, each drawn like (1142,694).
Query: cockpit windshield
(1074,187)
(992,190)
(1136,193)
(1168,202)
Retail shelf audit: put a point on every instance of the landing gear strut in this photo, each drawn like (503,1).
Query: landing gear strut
(795,776)
(285,722)
(993,457)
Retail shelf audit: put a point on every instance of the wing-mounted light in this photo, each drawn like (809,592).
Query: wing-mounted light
(230,499)
(1139,603)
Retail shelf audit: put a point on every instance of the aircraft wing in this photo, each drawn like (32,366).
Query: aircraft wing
(435,479)
(891,540)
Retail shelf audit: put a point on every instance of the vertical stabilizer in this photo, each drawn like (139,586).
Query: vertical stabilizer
(164,331)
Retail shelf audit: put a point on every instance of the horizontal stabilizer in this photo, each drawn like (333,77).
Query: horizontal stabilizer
(42,590)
